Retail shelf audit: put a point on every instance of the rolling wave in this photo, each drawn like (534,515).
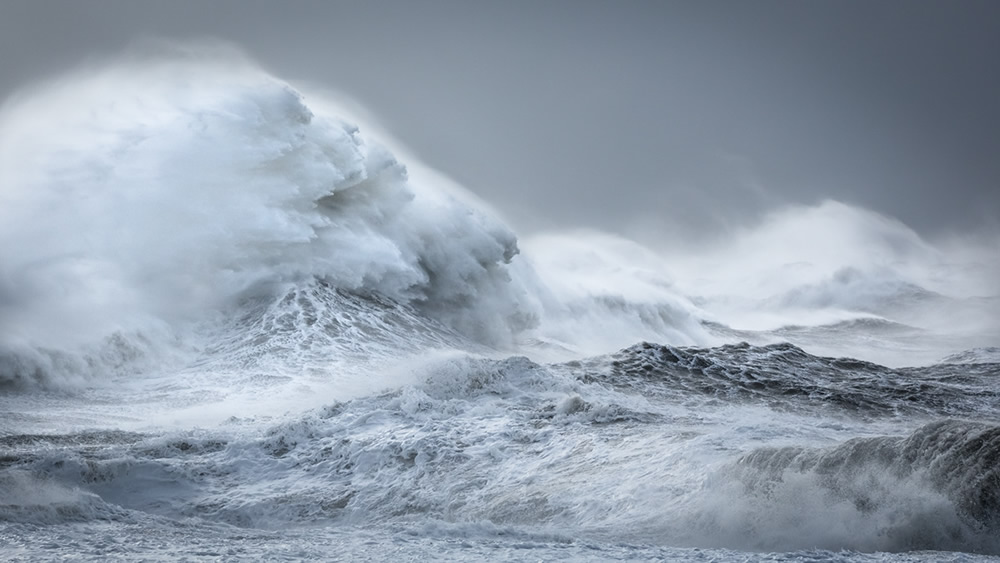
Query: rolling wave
(937,488)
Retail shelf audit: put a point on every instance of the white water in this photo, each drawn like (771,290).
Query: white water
(308,336)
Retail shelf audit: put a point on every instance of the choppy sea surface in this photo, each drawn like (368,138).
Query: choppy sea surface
(233,325)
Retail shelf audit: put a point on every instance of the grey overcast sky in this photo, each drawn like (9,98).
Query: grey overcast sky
(621,115)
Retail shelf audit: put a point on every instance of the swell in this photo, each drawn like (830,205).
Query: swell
(784,376)
(560,448)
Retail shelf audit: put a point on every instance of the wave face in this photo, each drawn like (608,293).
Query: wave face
(233,323)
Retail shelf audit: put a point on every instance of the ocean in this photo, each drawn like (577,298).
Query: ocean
(238,322)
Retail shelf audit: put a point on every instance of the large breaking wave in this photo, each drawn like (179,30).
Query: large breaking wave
(150,195)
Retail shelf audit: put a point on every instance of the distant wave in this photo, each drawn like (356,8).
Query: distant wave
(987,355)
(852,289)
(784,376)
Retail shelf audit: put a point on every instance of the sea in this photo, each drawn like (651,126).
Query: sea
(238,321)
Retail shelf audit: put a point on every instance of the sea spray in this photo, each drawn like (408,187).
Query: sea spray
(234,324)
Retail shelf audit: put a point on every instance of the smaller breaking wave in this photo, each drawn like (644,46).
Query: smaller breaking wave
(938,488)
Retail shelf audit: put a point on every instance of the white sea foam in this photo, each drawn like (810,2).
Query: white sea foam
(307,334)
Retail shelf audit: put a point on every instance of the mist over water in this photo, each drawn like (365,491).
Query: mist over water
(226,304)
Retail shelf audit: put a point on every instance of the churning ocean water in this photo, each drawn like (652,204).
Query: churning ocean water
(236,325)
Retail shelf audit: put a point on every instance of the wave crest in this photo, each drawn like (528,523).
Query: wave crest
(172,188)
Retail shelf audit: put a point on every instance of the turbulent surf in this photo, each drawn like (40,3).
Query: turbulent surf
(238,322)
